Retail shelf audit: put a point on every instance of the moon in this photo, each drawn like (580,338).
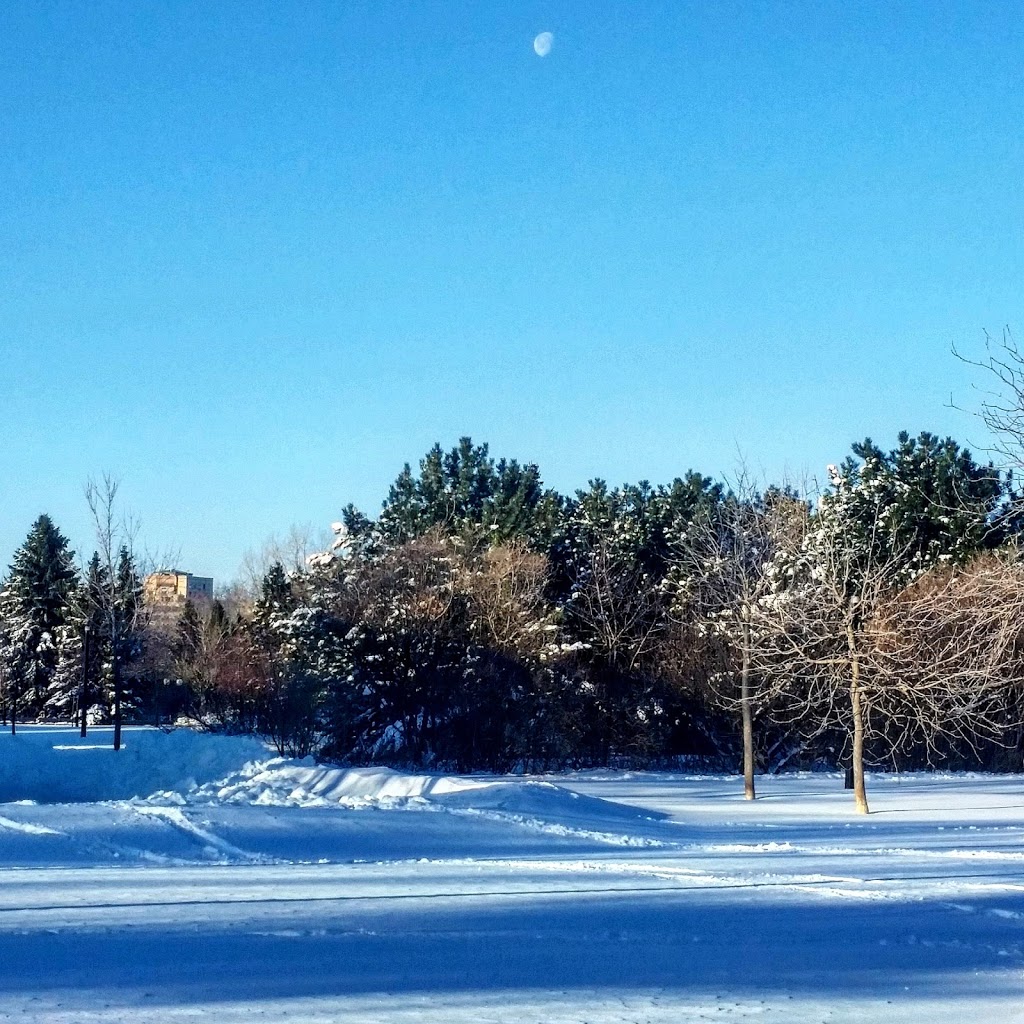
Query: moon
(542,44)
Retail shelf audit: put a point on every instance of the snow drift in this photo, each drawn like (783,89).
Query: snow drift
(52,764)
(283,783)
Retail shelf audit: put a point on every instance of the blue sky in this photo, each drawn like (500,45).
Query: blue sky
(254,256)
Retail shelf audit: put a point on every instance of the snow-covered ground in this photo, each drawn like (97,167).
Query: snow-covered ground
(212,886)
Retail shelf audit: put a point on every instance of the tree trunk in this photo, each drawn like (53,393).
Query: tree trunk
(747,714)
(859,792)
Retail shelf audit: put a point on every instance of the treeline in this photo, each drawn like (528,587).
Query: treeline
(68,637)
(483,621)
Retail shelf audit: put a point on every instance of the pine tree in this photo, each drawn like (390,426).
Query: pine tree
(35,606)
(62,694)
(937,503)
(92,701)
(276,602)
(464,493)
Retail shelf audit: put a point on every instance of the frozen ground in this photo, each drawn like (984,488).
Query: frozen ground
(286,892)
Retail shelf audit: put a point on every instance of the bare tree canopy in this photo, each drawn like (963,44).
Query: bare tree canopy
(1002,406)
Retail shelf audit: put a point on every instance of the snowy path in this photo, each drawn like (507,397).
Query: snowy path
(293,893)
(257,942)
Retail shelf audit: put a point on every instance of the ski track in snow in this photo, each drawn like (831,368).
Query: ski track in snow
(32,830)
(207,839)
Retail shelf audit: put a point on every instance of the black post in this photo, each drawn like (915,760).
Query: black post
(83,693)
(848,784)
(10,688)
(116,664)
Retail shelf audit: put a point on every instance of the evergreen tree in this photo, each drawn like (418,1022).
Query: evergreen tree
(35,606)
(611,556)
(924,501)
(276,602)
(187,645)
(465,493)
(126,629)
(93,595)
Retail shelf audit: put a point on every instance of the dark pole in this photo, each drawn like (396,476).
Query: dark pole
(83,692)
(116,666)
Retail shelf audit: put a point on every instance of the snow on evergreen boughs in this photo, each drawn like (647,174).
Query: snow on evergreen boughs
(35,605)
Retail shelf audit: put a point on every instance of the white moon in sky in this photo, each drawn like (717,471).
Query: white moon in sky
(542,44)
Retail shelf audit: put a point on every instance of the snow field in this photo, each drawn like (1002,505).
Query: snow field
(286,891)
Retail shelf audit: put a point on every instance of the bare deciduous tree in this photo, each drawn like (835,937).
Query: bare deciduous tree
(859,642)
(291,551)
(505,586)
(721,574)
(949,651)
(818,627)
(118,603)
(618,607)
(1002,408)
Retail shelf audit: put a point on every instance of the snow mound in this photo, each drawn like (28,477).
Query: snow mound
(289,783)
(543,799)
(284,783)
(52,764)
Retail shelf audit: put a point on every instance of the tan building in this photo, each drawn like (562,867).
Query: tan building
(166,591)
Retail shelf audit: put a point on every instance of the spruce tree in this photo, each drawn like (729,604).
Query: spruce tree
(36,604)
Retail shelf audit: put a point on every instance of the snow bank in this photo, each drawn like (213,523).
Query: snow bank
(284,783)
(52,764)
(288,783)
(545,805)
(153,769)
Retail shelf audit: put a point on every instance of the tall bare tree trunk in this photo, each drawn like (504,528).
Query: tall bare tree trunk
(747,713)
